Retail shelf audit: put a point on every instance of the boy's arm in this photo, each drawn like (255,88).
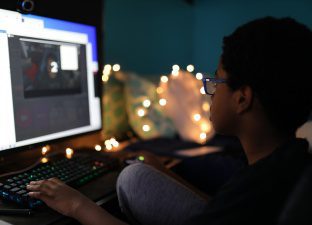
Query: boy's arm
(91,214)
(70,202)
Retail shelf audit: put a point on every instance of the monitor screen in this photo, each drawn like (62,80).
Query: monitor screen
(47,88)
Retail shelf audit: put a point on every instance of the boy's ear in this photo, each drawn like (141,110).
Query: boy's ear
(244,99)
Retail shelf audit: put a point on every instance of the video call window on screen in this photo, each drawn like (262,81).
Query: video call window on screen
(47,79)
(50,68)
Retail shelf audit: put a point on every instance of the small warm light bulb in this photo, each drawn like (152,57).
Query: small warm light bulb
(196,117)
(116,67)
(199,76)
(159,90)
(69,153)
(105,78)
(107,72)
(44,160)
(115,144)
(45,149)
(205,127)
(107,67)
(164,79)
(146,128)
(190,68)
(146,103)
(109,147)
(112,140)
(206,107)
(98,148)
(175,68)
(203,136)
(202,90)
(141,112)
(175,73)
(162,102)
(107,142)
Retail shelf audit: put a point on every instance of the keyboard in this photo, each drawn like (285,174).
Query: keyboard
(75,172)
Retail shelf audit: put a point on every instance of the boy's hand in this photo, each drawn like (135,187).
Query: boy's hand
(57,195)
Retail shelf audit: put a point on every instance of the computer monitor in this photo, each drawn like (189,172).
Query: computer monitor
(47,89)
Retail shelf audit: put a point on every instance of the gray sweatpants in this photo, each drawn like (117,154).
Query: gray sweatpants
(149,197)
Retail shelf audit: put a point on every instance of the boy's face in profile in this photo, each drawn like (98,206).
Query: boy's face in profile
(223,108)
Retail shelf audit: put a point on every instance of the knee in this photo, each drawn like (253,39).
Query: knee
(130,176)
(129,182)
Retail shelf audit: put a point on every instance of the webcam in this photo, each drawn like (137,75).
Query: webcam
(25,6)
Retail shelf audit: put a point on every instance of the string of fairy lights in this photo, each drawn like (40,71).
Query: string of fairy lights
(143,110)
(112,144)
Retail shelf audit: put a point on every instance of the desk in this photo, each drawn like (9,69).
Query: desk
(100,190)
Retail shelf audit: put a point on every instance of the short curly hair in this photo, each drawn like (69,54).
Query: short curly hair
(274,57)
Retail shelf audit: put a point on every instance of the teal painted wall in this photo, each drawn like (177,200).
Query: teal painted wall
(149,36)
(217,18)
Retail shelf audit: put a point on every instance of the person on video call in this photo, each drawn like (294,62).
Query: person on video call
(49,76)
(261,94)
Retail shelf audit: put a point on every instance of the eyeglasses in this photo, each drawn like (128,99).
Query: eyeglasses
(210,84)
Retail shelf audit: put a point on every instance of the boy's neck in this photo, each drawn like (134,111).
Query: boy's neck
(261,145)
